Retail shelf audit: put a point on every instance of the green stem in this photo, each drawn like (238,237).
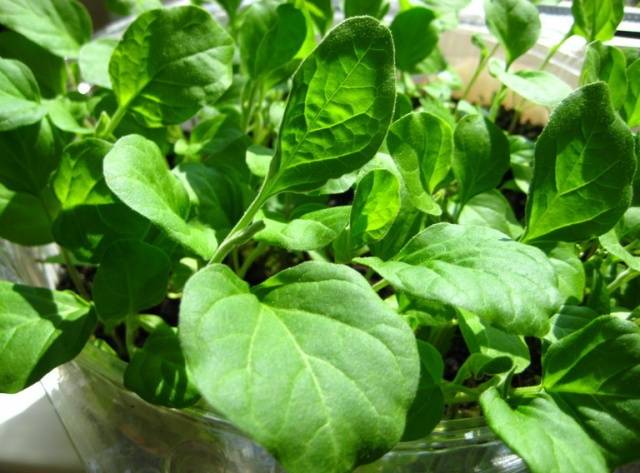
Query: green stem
(116,119)
(76,279)
(248,110)
(497,101)
(482,63)
(554,49)
(625,276)
(527,391)
(131,327)
(258,251)
(380,285)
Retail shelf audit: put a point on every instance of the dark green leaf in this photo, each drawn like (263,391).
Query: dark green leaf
(607,64)
(94,61)
(632,102)
(24,219)
(19,96)
(569,319)
(414,37)
(597,19)
(515,23)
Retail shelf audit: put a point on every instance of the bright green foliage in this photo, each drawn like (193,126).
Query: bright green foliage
(270,36)
(457,265)
(61,26)
(321,11)
(607,64)
(230,6)
(169,63)
(569,319)
(515,23)
(94,61)
(584,167)
(19,96)
(24,218)
(491,209)
(597,19)
(414,37)
(339,109)
(373,8)
(132,7)
(610,242)
(318,406)
(421,144)
(632,102)
(539,87)
(39,330)
(137,173)
(158,372)
(375,206)
(481,156)
(569,269)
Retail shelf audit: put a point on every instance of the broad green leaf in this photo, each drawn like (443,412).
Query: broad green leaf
(569,269)
(310,231)
(594,375)
(584,167)
(611,243)
(407,224)
(316,405)
(137,173)
(363,7)
(597,19)
(321,12)
(414,37)
(94,61)
(19,96)
(492,342)
(24,219)
(48,69)
(200,137)
(491,209)
(632,102)
(522,151)
(60,113)
(478,365)
(515,23)
(628,228)
(259,159)
(169,63)
(428,406)
(132,7)
(61,26)
(607,64)
(421,144)
(339,109)
(481,156)
(538,430)
(132,276)
(459,265)
(270,36)
(376,204)
(539,87)
(39,330)
(29,155)
(158,373)
(569,319)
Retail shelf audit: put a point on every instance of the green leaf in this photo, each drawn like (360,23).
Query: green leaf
(94,61)
(376,204)
(257,358)
(321,12)
(539,87)
(414,37)
(481,156)
(19,96)
(24,219)
(169,63)
(594,375)
(607,64)
(259,159)
(597,19)
(538,430)
(363,7)
(421,144)
(515,23)
(569,269)
(339,109)
(39,330)
(584,167)
(132,276)
(60,26)
(48,69)
(230,6)
(491,209)
(158,372)
(632,102)
(569,319)
(61,115)
(270,36)
(137,173)
(522,151)
(132,7)
(311,231)
(611,243)
(458,266)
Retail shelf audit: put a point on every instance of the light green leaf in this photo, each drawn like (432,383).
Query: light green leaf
(137,173)
(597,19)
(60,114)
(459,265)
(569,269)
(538,430)
(339,109)
(132,276)
(632,102)
(24,219)
(594,375)
(491,209)
(321,12)
(61,26)
(569,319)
(158,372)
(421,144)
(259,159)
(414,37)
(607,64)
(311,231)
(270,36)
(19,96)
(376,204)
(539,87)
(169,63)
(39,330)
(515,23)
(316,405)
(584,167)
(611,243)
(132,7)
(522,151)
(481,156)
(94,61)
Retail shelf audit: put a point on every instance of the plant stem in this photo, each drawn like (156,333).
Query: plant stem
(497,101)
(131,326)
(74,275)
(259,250)
(625,276)
(380,285)
(527,391)
(482,63)
(116,119)
(554,49)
